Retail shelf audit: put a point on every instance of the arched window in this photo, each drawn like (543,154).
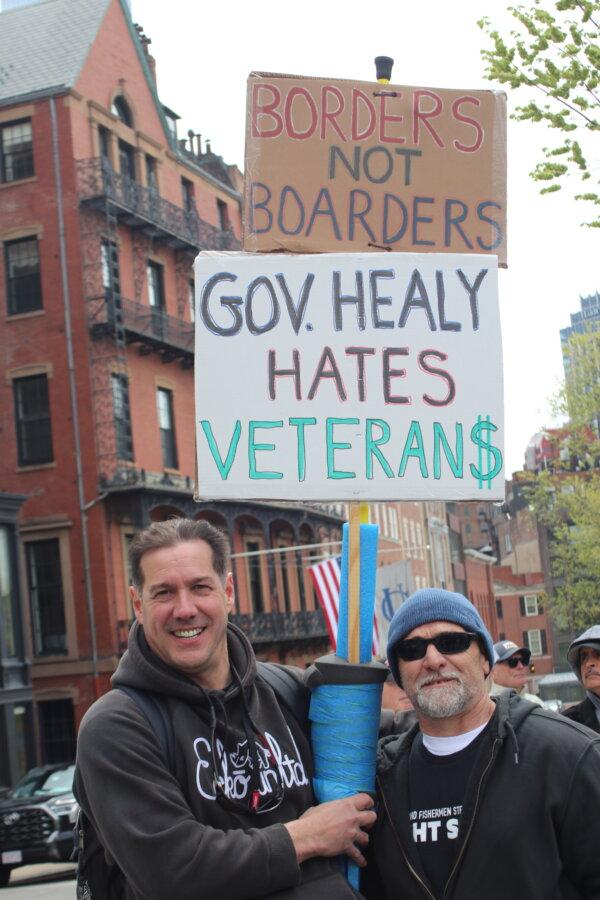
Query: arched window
(120,109)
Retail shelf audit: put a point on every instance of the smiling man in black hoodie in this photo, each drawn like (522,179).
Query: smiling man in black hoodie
(237,819)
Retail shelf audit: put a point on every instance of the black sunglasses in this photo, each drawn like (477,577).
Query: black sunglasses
(447,643)
(514,661)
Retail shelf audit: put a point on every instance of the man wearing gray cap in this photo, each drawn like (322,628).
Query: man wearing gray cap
(584,658)
(482,797)
(511,670)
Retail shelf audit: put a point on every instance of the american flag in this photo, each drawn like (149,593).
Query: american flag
(326,578)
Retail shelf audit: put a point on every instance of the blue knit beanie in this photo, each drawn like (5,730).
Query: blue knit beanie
(435,605)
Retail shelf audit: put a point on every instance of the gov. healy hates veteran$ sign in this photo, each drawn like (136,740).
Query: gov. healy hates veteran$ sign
(373,376)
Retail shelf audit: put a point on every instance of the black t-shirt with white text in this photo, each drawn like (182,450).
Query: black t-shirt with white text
(437,786)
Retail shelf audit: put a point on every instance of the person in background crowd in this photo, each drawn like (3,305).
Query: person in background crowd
(484,797)
(236,818)
(397,713)
(584,658)
(512,670)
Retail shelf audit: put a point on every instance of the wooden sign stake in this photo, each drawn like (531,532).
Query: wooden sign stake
(358,514)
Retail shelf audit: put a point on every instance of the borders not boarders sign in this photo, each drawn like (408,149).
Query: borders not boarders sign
(345,377)
(336,165)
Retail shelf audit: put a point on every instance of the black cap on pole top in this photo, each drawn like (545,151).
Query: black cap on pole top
(383,68)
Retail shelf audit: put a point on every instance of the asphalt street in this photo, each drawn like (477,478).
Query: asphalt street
(44,882)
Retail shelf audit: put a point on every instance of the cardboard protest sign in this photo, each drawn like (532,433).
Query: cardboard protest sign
(344,377)
(337,165)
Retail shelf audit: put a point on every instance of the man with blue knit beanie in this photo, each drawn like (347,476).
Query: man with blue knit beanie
(483,797)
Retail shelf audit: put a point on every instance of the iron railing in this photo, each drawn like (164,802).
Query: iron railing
(142,323)
(129,476)
(261,628)
(97,181)
(266,628)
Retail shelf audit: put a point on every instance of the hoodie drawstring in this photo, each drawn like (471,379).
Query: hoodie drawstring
(513,737)
(252,733)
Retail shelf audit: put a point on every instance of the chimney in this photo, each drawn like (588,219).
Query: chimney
(145,42)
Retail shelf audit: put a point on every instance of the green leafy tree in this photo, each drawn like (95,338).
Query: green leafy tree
(580,396)
(554,56)
(569,506)
(566,496)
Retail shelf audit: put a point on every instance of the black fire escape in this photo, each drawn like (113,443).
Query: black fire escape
(102,189)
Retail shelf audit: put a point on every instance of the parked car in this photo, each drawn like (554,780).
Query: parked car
(37,818)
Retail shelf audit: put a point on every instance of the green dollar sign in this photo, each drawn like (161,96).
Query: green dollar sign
(486,469)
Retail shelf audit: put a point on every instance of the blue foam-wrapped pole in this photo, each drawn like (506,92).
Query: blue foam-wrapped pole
(345,717)
(345,726)
(368,574)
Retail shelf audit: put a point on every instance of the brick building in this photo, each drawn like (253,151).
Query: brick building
(103,207)
(518,532)
(417,532)
(522,616)
(480,587)
(473,517)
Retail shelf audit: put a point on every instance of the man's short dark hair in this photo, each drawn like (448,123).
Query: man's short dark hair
(176,531)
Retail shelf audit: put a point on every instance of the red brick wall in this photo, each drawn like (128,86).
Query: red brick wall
(513,625)
(480,592)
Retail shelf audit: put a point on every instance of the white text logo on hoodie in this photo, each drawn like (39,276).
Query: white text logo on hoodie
(235,768)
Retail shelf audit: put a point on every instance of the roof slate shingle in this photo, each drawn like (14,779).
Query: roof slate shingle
(43,46)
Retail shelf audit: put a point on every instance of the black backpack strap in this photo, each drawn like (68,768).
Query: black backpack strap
(289,689)
(155,709)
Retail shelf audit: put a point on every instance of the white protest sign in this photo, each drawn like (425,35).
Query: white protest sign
(348,377)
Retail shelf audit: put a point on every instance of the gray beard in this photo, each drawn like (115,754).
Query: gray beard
(450,700)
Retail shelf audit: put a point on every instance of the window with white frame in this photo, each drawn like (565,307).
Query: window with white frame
(534,642)
(394,532)
(420,540)
(166,425)
(530,605)
(413,540)
(387,518)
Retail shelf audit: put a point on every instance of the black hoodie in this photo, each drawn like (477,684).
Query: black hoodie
(170,835)
(530,824)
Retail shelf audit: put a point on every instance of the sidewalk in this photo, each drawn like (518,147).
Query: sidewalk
(40,871)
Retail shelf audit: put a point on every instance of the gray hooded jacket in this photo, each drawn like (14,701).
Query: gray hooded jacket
(170,835)
(529,826)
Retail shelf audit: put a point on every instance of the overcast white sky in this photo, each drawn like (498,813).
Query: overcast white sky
(204,53)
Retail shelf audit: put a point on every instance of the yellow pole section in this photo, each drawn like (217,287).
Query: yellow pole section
(354,520)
